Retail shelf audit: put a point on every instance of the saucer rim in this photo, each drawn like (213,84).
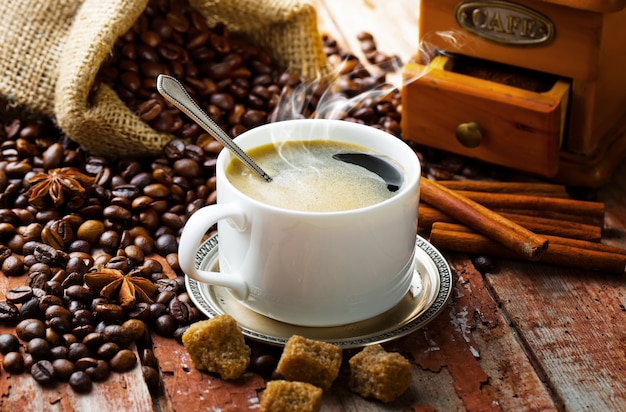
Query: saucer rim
(419,320)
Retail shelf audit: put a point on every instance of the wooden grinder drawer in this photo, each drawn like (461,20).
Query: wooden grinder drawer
(447,108)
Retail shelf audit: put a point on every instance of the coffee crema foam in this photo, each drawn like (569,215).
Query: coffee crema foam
(305,177)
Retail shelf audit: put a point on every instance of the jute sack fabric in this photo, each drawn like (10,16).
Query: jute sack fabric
(32,37)
(103,124)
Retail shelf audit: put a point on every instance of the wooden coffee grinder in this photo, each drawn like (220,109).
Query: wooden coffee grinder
(535,85)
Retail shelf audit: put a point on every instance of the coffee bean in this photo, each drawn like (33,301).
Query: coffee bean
(84,363)
(123,361)
(13,362)
(264,364)
(107,350)
(8,343)
(63,369)
(80,382)
(62,325)
(152,378)
(99,372)
(118,334)
(13,266)
(180,311)
(30,329)
(43,372)
(135,327)
(9,313)
(110,311)
(94,340)
(165,325)
(39,348)
(59,352)
(28,309)
(77,351)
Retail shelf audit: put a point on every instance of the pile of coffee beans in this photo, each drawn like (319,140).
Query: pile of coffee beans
(235,82)
(130,218)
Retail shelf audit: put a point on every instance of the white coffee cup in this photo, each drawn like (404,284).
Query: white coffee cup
(311,268)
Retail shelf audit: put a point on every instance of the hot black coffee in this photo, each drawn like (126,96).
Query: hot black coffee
(307,178)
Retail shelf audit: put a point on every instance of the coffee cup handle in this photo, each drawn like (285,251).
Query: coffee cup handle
(192,237)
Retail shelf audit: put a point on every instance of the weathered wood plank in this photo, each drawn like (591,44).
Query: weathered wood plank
(573,324)
(473,341)
(187,389)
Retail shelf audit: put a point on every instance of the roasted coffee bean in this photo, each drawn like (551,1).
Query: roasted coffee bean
(90,230)
(49,300)
(28,360)
(63,369)
(78,292)
(43,372)
(118,334)
(8,343)
(179,332)
(13,266)
(53,337)
(180,311)
(165,325)
(165,297)
(485,264)
(80,382)
(98,372)
(141,311)
(84,363)
(94,340)
(13,362)
(135,327)
(37,279)
(77,351)
(30,329)
(28,309)
(264,364)
(166,244)
(83,330)
(59,352)
(73,278)
(55,288)
(54,311)
(39,348)
(110,311)
(152,378)
(123,361)
(107,350)
(157,309)
(19,294)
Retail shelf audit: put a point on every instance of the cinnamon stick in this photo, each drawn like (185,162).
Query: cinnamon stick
(519,188)
(582,255)
(512,201)
(478,217)
(428,215)
(551,214)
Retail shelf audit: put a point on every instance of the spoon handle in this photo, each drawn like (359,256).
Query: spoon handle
(175,93)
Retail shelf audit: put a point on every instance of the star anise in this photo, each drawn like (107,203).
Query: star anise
(126,289)
(59,186)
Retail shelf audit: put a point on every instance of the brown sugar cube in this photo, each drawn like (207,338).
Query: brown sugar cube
(376,373)
(311,361)
(217,345)
(286,396)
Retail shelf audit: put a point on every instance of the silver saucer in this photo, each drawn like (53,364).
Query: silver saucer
(427,296)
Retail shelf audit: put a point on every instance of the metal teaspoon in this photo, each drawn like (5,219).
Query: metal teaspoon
(175,93)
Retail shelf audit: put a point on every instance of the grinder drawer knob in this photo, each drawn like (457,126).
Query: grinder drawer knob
(469,134)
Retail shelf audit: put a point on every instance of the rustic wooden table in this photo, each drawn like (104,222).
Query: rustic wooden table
(526,337)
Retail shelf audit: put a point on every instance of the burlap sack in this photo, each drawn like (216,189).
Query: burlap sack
(57,78)
(32,37)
